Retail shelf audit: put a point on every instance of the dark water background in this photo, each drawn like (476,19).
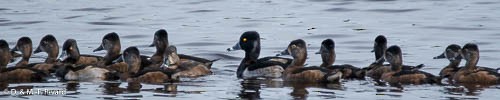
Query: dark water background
(205,28)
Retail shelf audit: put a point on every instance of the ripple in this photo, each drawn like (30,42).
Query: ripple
(201,11)
(4,9)
(484,3)
(71,17)
(324,36)
(320,0)
(200,44)
(393,10)
(93,9)
(339,9)
(249,25)
(202,1)
(106,23)
(223,56)
(343,3)
(98,29)
(21,23)
(111,18)
(380,0)
(134,36)
(4,20)
(454,28)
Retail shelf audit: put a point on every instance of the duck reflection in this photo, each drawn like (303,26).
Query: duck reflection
(250,89)
(300,89)
(72,86)
(466,89)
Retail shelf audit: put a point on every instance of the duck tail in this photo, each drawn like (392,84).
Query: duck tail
(420,66)
(214,60)
(209,64)
(333,77)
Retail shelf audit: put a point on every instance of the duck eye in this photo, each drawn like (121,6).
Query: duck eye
(244,39)
(294,46)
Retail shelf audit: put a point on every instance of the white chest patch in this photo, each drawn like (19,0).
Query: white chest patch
(89,74)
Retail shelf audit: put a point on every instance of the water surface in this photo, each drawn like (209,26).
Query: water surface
(423,28)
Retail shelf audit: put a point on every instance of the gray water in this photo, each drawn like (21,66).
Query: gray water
(205,28)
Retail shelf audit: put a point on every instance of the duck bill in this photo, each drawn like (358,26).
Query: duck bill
(14,49)
(284,52)
(15,54)
(37,50)
(235,47)
(99,48)
(442,56)
(373,50)
(63,56)
(380,60)
(319,52)
(152,44)
(120,59)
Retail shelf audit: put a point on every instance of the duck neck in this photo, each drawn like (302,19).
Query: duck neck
(158,55)
(111,55)
(328,59)
(454,63)
(299,61)
(471,63)
(52,57)
(25,59)
(379,50)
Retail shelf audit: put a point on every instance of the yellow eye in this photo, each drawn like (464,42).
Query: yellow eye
(294,46)
(244,40)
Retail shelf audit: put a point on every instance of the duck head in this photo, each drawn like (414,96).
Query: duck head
(110,43)
(327,52)
(393,55)
(379,47)
(25,46)
(452,53)
(70,52)
(250,43)
(160,40)
(470,52)
(171,59)
(298,50)
(6,56)
(49,45)
(131,56)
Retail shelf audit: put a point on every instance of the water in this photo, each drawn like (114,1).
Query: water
(423,28)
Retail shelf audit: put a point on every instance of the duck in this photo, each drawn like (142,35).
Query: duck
(253,67)
(49,45)
(131,56)
(376,70)
(19,74)
(160,41)
(111,43)
(71,55)
(452,53)
(86,73)
(185,67)
(25,46)
(471,73)
(328,56)
(296,72)
(397,76)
